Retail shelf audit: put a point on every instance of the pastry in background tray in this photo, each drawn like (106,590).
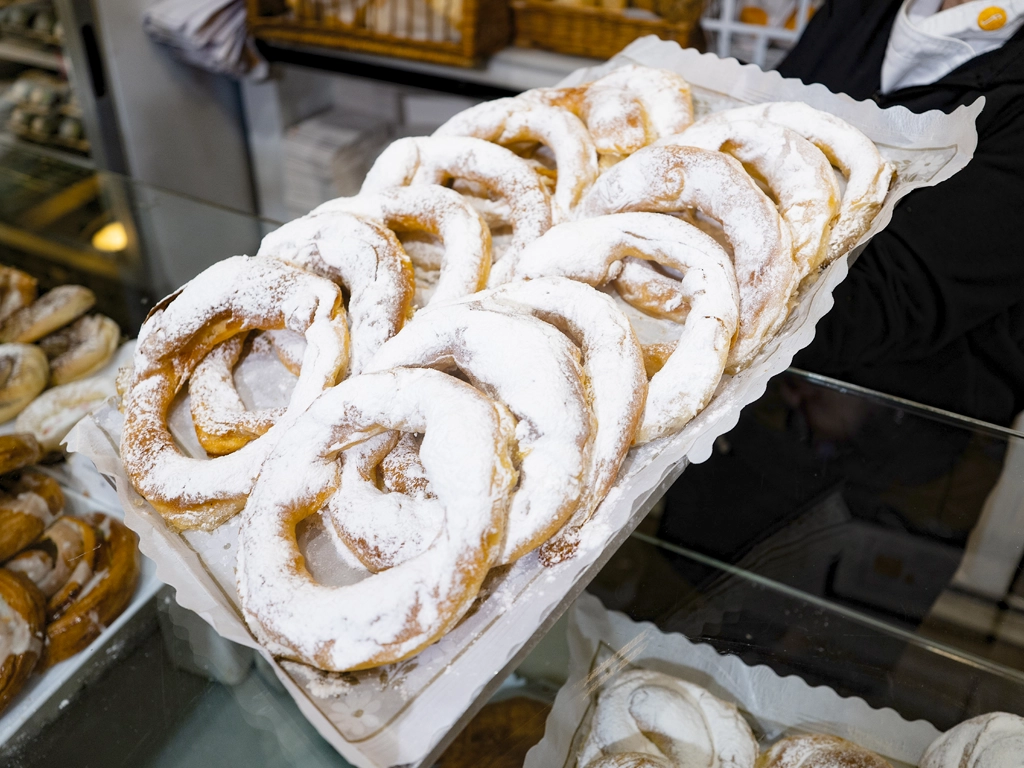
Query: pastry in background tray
(819,751)
(21,632)
(995,740)
(499,736)
(68,348)
(647,719)
(51,416)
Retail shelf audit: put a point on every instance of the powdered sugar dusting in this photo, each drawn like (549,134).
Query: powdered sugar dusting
(466,450)
(535,371)
(868,175)
(441,212)
(668,179)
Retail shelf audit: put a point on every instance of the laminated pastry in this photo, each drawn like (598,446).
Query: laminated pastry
(81,348)
(24,371)
(50,312)
(645,718)
(819,751)
(18,450)
(80,619)
(994,740)
(29,502)
(389,616)
(21,632)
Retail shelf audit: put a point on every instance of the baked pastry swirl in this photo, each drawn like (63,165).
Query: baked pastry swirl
(50,312)
(671,179)
(231,297)
(87,611)
(646,718)
(592,251)
(17,290)
(499,171)
(494,350)
(467,449)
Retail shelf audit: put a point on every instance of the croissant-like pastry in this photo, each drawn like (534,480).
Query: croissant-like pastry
(21,632)
(29,502)
(60,563)
(103,598)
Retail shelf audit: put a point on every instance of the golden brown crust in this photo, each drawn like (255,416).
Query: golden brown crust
(17,290)
(108,593)
(655,357)
(18,450)
(23,519)
(60,563)
(51,311)
(816,750)
(22,597)
(24,372)
(81,348)
(499,736)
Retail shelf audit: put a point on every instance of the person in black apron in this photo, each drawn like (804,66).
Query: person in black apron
(932,311)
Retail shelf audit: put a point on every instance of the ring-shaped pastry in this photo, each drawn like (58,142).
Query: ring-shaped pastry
(868,176)
(534,370)
(625,110)
(51,311)
(24,371)
(233,296)
(672,179)
(513,121)
(614,371)
(796,172)
(644,713)
(437,211)
(362,256)
(81,348)
(591,251)
(17,290)
(442,159)
(467,445)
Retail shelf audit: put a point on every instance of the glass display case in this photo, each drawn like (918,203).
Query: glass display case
(849,538)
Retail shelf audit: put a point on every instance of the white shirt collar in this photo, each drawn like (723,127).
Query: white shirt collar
(925,46)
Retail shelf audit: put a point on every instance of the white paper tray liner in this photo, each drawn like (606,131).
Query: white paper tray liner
(602,643)
(399,714)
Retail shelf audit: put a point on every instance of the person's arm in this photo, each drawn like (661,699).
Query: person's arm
(952,258)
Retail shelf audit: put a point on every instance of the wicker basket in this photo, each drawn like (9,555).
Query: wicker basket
(593,32)
(457,32)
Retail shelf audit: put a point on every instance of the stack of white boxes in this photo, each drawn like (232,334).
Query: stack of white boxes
(327,156)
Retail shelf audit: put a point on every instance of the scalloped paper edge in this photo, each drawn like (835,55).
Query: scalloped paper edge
(763,695)
(514,622)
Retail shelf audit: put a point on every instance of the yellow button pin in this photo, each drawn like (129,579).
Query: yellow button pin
(992,18)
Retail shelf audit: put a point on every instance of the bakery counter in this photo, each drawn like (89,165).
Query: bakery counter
(848,565)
